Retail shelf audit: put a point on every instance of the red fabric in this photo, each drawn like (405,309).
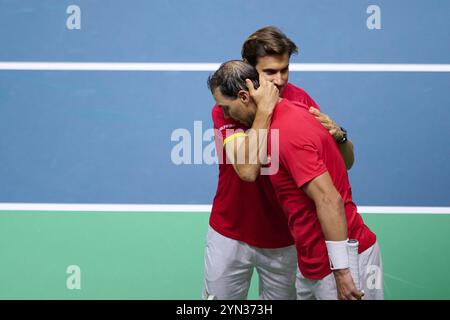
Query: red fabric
(307,150)
(245,211)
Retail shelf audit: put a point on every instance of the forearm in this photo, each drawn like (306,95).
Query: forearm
(347,153)
(331,214)
(251,150)
(334,227)
(256,143)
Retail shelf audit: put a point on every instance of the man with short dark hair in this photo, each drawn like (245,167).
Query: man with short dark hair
(269,51)
(248,229)
(313,188)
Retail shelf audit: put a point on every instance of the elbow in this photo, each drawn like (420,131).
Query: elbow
(350,158)
(349,161)
(349,164)
(249,177)
(248,174)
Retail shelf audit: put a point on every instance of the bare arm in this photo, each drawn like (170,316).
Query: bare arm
(246,153)
(346,149)
(331,214)
(329,206)
(347,154)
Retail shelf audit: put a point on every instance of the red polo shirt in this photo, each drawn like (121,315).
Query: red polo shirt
(249,211)
(307,150)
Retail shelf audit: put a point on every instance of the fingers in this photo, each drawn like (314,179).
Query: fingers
(274,87)
(357,295)
(328,125)
(360,295)
(250,87)
(320,116)
(262,80)
(314,111)
(353,295)
(266,86)
(346,288)
(326,122)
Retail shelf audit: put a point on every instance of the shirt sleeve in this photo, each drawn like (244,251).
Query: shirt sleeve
(224,127)
(310,102)
(302,98)
(303,162)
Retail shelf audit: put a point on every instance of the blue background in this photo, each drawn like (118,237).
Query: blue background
(105,137)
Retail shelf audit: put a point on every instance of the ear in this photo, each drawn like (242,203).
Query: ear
(244,96)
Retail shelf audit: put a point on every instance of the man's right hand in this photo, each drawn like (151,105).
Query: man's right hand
(266,96)
(346,289)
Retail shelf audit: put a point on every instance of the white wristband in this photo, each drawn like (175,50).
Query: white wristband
(338,255)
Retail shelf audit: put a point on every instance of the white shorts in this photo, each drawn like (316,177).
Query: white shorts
(370,273)
(229,267)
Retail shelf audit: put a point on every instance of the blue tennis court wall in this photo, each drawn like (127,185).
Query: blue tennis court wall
(105,136)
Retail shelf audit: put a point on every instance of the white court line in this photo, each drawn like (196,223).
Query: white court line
(100,66)
(188,208)
(403,210)
(104,207)
(131,66)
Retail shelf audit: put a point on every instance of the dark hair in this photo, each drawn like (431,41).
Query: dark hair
(267,41)
(230,78)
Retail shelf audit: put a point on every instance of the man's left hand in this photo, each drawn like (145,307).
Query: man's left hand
(345,286)
(328,123)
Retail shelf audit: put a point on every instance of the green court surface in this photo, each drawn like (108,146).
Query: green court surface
(159,255)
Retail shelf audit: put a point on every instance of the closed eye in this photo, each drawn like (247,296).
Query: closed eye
(270,72)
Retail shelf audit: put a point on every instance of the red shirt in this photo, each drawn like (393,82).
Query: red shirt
(307,150)
(249,211)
